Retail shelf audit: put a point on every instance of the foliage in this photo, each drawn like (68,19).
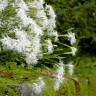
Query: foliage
(79,15)
(74,15)
(85,72)
(11,56)
(8,19)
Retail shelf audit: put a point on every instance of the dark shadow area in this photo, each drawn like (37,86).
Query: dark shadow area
(87,46)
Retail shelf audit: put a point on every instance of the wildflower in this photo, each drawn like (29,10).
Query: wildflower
(50,46)
(59,76)
(32,89)
(73,50)
(38,87)
(19,44)
(29,42)
(50,11)
(70,68)
(71,37)
(3,4)
(55,34)
(51,18)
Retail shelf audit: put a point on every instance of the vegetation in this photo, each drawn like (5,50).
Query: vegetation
(72,15)
(81,17)
(17,74)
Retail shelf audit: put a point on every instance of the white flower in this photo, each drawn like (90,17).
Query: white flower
(32,57)
(19,44)
(50,46)
(73,51)
(32,89)
(22,44)
(29,42)
(41,82)
(38,87)
(21,4)
(3,4)
(60,69)
(38,4)
(57,83)
(70,68)
(59,76)
(51,19)
(71,37)
(42,19)
(50,11)
(55,34)
(22,14)
(39,13)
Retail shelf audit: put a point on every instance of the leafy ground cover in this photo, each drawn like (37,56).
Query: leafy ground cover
(82,83)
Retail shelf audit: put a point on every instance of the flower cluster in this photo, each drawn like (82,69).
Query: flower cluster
(29,42)
(59,76)
(3,4)
(38,87)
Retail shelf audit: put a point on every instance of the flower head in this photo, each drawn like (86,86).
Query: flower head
(50,46)
(59,76)
(71,37)
(3,4)
(70,68)
(38,87)
(73,51)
